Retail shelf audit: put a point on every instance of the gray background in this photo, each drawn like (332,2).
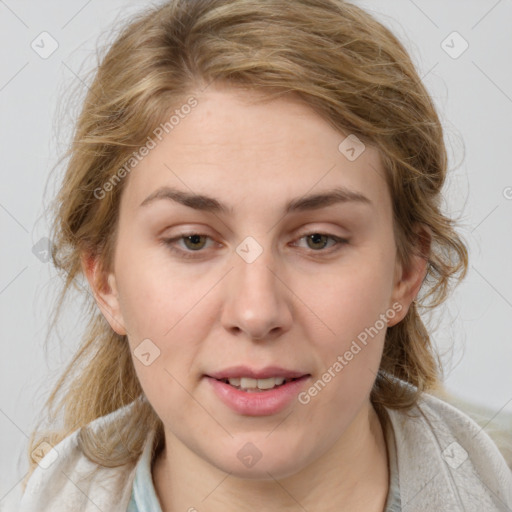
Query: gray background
(473,94)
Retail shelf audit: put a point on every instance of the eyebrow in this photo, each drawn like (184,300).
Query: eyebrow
(304,203)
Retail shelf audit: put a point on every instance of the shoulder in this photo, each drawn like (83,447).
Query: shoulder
(66,479)
(497,423)
(446,458)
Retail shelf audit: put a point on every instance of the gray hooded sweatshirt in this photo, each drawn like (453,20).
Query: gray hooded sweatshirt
(445,462)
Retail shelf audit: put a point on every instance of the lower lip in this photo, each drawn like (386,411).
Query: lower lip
(258,403)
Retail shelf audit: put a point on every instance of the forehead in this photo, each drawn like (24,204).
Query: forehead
(233,145)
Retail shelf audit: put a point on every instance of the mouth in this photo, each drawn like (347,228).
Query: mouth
(257,393)
(251,385)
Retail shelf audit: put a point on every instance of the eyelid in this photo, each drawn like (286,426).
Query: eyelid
(170,241)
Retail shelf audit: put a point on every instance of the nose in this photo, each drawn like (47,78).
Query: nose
(258,301)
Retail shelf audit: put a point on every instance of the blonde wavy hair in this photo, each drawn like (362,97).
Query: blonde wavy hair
(341,62)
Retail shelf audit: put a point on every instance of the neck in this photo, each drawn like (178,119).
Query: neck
(352,476)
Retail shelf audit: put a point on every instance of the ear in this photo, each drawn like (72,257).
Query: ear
(408,280)
(104,289)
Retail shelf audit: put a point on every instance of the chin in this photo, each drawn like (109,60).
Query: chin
(250,463)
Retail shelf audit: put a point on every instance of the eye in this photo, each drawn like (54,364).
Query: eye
(195,242)
(318,241)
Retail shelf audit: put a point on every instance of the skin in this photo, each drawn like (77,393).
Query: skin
(298,305)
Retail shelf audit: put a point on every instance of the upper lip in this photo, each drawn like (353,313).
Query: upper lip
(263,373)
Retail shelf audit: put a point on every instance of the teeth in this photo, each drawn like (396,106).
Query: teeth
(248,383)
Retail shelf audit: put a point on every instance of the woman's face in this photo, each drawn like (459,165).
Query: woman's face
(275,282)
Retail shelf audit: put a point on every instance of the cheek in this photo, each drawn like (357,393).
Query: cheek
(153,296)
(350,300)
(163,305)
(348,326)
(349,341)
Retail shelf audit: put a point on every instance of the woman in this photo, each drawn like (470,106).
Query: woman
(253,195)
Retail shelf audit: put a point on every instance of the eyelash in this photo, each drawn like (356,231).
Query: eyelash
(169,242)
